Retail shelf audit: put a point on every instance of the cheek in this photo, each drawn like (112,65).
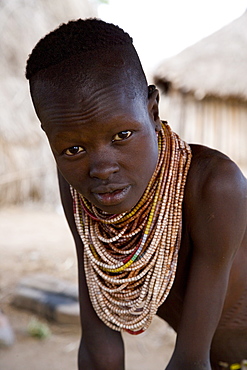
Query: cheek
(73,172)
(144,159)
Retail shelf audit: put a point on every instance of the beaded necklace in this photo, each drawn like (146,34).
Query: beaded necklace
(130,258)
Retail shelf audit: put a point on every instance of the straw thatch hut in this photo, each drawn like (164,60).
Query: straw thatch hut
(27,170)
(204,91)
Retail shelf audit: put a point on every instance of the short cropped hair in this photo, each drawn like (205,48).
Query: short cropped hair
(74,38)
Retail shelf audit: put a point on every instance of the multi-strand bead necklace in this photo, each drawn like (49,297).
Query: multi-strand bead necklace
(131,258)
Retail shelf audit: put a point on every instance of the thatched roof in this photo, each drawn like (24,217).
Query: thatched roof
(27,170)
(216,65)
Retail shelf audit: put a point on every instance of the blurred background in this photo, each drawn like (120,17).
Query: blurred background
(196,53)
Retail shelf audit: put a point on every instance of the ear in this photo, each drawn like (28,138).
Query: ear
(153,106)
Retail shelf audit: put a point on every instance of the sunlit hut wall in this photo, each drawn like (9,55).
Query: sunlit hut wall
(27,169)
(204,91)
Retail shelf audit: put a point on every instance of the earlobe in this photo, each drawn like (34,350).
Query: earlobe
(153,105)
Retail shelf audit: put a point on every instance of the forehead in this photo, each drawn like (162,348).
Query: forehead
(113,95)
(97,88)
(83,87)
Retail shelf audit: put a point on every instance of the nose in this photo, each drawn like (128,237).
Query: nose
(103,164)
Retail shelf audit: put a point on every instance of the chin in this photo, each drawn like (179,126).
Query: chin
(114,210)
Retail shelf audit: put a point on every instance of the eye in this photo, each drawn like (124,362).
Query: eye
(73,150)
(123,135)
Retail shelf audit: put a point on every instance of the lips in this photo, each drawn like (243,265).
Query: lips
(110,195)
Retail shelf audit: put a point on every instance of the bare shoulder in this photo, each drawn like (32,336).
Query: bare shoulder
(215,199)
(213,173)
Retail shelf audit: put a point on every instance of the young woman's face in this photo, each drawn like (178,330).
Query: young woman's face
(105,145)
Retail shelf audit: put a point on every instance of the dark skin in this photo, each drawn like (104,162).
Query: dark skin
(105,146)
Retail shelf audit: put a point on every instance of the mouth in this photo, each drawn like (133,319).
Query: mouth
(111,197)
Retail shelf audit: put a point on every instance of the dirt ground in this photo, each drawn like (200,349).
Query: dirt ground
(37,240)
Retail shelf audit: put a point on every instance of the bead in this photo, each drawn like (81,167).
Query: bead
(131,258)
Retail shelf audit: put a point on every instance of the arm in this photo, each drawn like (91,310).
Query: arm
(216,209)
(101,348)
